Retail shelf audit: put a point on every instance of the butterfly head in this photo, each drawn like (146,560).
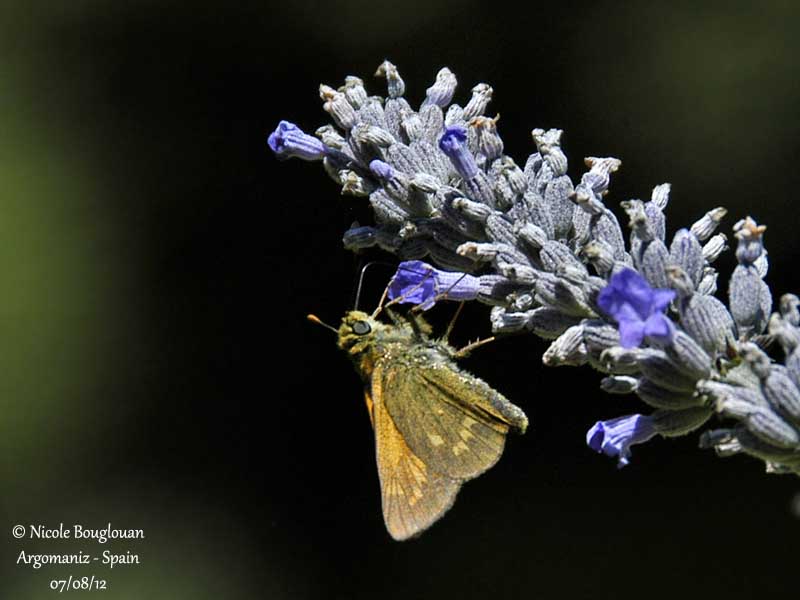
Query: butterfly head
(357,331)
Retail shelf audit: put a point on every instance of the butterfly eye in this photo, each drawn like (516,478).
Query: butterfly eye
(361,328)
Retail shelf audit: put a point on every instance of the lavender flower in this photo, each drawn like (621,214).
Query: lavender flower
(417,282)
(454,144)
(381,170)
(615,437)
(637,308)
(550,257)
(288,140)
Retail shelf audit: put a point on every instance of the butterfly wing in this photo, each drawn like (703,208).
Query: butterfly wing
(435,427)
(413,495)
(453,421)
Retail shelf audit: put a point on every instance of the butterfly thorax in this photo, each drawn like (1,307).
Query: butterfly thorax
(368,341)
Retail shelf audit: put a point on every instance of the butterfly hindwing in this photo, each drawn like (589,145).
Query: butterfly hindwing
(450,419)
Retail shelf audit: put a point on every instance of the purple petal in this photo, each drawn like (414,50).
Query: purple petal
(658,326)
(289,140)
(609,299)
(626,287)
(631,333)
(661,299)
(625,312)
(453,139)
(616,436)
(414,282)
(417,282)
(636,291)
(595,436)
(637,308)
(381,169)
(454,144)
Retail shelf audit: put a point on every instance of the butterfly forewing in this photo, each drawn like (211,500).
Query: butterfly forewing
(445,427)
(413,494)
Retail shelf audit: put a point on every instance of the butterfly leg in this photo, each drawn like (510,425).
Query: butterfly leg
(452,323)
(440,296)
(382,300)
(395,318)
(399,299)
(470,347)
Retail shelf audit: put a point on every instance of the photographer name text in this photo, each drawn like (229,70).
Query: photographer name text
(76,532)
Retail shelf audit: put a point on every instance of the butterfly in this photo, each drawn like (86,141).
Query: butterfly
(436,426)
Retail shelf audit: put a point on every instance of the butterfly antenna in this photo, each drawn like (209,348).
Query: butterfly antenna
(361,281)
(318,321)
(360,267)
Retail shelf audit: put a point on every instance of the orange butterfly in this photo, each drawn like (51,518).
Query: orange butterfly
(436,426)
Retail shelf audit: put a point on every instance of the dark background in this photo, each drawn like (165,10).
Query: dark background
(158,370)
